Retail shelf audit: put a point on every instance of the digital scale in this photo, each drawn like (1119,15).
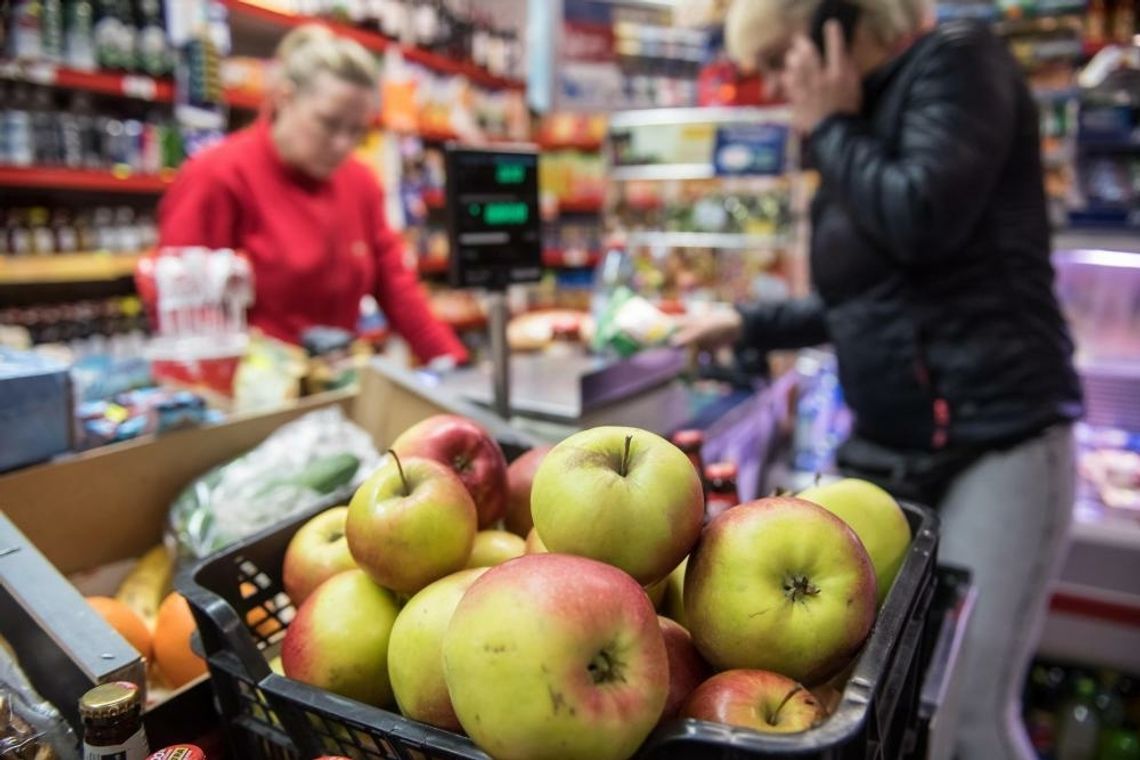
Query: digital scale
(494,229)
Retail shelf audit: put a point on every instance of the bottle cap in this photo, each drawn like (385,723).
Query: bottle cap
(110,700)
(688,438)
(720,471)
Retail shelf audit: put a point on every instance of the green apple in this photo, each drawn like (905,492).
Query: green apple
(622,496)
(875,517)
(756,699)
(656,592)
(412,522)
(317,552)
(534,544)
(494,547)
(556,656)
(673,606)
(339,639)
(415,656)
(780,584)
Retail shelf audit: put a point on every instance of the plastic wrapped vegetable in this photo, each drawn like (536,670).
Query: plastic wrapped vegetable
(290,471)
(30,728)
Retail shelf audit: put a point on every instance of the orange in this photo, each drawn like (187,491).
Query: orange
(258,618)
(124,620)
(172,631)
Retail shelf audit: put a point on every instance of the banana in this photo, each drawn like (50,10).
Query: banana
(147,584)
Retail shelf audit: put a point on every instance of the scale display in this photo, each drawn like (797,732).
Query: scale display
(493,218)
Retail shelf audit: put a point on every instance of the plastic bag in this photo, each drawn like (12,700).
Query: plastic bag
(290,471)
(631,323)
(29,726)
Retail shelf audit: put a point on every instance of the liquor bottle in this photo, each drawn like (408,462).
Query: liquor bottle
(1079,728)
(79,35)
(52,31)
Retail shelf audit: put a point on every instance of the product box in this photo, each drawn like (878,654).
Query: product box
(35,408)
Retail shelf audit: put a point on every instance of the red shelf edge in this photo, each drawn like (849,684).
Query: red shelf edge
(584,144)
(81,179)
(581,206)
(378,43)
(101,82)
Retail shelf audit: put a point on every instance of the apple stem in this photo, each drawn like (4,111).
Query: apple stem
(787,698)
(400,468)
(625,456)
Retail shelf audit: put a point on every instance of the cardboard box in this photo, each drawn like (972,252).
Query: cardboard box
(35,409)
(108,505)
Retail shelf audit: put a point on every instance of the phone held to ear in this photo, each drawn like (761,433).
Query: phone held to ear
(843,11)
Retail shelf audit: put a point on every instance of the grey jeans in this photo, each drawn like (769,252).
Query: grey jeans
(1006,518)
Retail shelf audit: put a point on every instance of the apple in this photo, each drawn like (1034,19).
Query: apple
(656,592)
(534,544)
(552,655)
(415,659)
(875,517)
(412,522)
(338,640)
(673,606)
(469,451)
(622,496)
(494,547)
(756,699)
(520,475)
(687,669)
(780,584)
(317,552)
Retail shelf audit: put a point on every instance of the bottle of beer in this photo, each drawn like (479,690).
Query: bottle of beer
(691,442)
(112,722)
(722,492)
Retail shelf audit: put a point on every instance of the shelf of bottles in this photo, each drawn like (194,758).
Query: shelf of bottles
(425,32)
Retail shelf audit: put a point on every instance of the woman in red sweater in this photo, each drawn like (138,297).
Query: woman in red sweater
(288,194)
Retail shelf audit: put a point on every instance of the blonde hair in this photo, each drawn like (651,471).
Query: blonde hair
(310,49)
(753,26)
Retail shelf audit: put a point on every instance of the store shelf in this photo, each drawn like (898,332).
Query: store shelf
(573,259)
(51,178)
(250,12)
(552,258)
(705,240)
(74,267)
(722,115)
(100,82)
(584,144)
(670,172)
(580,205)
(662,172)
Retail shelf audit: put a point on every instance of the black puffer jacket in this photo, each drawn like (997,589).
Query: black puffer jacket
(930,255)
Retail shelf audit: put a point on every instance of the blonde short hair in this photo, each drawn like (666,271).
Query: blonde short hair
(753,26)
(310,49)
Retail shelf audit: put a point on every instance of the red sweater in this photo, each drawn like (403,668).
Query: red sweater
(316,247)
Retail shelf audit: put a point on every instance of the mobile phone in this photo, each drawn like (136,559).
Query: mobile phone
(843,11)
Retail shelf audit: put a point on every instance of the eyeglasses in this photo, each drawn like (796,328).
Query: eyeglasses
(334,127)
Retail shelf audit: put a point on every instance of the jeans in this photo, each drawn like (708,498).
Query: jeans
(1006,518)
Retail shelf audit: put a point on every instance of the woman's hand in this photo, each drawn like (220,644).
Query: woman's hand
(710,331)
(817,89)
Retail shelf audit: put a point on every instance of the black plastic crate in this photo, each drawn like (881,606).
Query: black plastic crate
(238,602)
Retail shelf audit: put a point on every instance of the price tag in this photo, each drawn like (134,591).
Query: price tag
(575,257)
(40,73)
(135,86)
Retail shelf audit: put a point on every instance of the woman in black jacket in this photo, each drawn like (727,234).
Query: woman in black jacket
(932,280)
